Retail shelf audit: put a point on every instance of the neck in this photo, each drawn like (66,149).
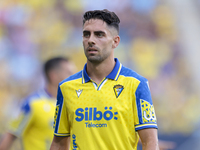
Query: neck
(51,89)
(97,72)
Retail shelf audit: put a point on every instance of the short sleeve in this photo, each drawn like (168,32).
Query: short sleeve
(61,127)
(145,108)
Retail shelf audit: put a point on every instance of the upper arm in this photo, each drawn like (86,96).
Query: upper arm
(60,143)
(146,117)
(147,123)
(61,126)
(149,138)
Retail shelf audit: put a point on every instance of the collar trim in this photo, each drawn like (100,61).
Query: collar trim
(114,75)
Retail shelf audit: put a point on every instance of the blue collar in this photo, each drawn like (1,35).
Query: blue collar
(113,75)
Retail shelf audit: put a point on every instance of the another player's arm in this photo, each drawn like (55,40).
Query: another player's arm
(60,143)
(149,139)
(6,141)
(24,116)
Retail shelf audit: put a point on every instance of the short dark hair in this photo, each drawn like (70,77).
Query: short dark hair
(107,16)
(52,64)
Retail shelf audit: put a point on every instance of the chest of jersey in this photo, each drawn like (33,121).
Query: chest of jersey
(38,133)
(108,102)
(43,114)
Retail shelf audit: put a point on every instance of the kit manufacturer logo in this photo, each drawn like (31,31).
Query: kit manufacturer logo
(78,92)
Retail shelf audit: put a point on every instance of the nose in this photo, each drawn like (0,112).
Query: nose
(91,40)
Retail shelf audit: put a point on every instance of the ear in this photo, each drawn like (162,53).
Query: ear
(52,76)
(116,40)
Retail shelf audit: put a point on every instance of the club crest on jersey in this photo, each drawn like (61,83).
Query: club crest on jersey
(78,92)
(118,90)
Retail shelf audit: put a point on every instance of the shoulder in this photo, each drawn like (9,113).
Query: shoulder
(26,103)
(76,76)
(127,72)
(35,97)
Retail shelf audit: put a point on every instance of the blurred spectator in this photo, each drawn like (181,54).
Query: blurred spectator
(144,6)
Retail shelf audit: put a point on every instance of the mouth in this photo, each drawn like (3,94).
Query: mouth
(92,50)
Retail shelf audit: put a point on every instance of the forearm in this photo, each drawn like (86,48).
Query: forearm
(60,143)
(153,145)
(57,146)
(149,139)
(6,141)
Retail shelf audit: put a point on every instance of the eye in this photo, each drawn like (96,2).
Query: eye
(100,34)
(86,34)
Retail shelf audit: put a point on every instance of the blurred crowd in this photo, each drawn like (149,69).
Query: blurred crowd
(33,31)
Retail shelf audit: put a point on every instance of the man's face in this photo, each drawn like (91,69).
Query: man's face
(98,40)
(65,70)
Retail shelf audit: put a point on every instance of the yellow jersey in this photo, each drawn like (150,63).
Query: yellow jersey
(105,116)
(34,122)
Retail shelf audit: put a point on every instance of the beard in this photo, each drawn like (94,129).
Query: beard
(94,59)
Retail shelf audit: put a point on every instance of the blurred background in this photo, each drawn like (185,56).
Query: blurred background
(160,39)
